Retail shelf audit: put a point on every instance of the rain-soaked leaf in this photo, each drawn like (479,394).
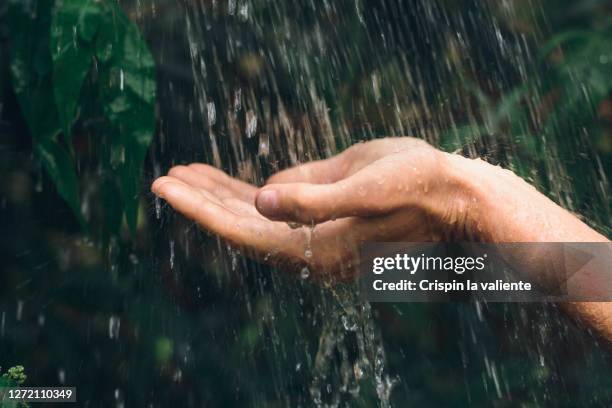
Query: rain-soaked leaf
(54,50)
(72,30)
(32,79)
(31,67)
(127,91)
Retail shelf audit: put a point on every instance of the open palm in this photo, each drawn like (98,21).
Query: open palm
(382,190)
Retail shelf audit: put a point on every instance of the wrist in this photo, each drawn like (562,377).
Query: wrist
(464,199)
(499,206)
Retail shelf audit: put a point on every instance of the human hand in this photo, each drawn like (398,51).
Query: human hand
(398,189)
(393,189)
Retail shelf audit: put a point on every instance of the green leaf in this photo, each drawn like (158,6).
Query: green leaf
(72,30)
(53,53)
(32,79)
(127,92)
(16,375)
(58,164)
(30,65)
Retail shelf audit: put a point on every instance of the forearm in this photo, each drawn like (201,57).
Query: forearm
(505,208)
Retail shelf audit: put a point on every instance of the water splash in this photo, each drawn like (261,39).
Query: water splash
(350,352)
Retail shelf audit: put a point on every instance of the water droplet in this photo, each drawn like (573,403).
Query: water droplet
(358,371)
(212,113)
(19,310)
(237,100)
(114,324)
(244,12)
(157,208)
(294,225)
(349,322)
(251,125)
(171,254)
(121,79)
(61,376)
(133,259)
(231,7)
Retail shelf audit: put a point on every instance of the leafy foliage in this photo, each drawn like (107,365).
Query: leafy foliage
(75,52)
(549,117)
(14,376)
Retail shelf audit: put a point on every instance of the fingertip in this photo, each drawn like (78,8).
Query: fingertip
(160,185)
(267,202)
(171,190)
(157,184)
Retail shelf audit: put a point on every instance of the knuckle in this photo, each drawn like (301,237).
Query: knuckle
(200,167)
(177,171)
(300,203)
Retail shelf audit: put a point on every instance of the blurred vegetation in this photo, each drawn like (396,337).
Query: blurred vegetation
(13,377)
(558,117)
(100,292)
(85,60)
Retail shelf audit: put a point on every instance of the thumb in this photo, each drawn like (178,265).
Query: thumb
(314,203)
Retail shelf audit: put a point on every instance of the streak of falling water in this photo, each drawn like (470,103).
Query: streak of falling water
(349,331)
(172,254)
(19,313)
(242,114)
(114,324)
(284,94)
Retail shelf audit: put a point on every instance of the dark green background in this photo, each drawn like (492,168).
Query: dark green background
(525,84)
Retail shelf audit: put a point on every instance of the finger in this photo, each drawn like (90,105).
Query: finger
(317,172)
(157,185)
(258,234)
(243,190)
(199,180)
(243,208)
(360,195)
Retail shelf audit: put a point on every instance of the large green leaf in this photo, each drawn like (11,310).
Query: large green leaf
(30,65)
(32,78)
(54,50)
(127,91)
(72,31)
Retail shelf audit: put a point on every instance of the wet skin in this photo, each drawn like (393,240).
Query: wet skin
(353,197)
(393,189)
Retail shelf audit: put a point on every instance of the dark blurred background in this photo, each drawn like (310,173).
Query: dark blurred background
(164,313)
